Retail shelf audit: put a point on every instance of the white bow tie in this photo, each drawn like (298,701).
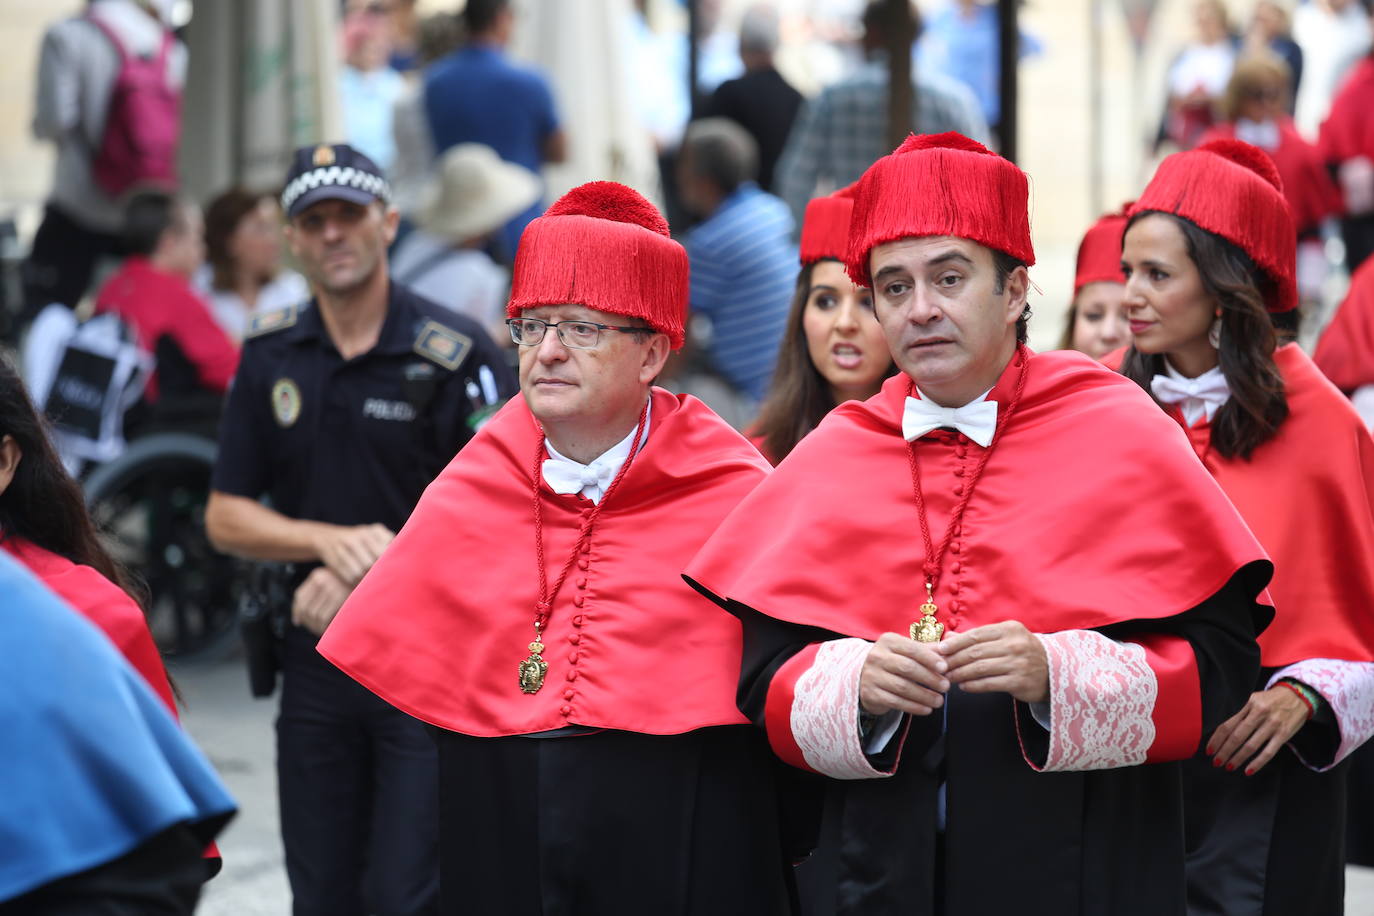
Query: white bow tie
(978,420)
(1195,396)
(565,476)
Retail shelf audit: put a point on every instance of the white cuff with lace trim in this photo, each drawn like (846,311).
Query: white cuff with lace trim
(1102,698)
(825,711)
(1348,688)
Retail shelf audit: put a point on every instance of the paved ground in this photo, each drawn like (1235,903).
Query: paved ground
(236,732)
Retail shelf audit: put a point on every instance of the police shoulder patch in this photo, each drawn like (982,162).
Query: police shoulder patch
(275,320)
(442,345)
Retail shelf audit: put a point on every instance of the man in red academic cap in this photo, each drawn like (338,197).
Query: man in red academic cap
(592,758)
(1016,600)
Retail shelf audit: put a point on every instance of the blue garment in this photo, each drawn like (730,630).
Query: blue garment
(368,100)
(475,95)
(744,269)
(94,764)
(968,50)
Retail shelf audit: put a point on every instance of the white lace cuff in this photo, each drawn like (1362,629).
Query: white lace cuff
(1102,700)
(1348,688)
(825,711)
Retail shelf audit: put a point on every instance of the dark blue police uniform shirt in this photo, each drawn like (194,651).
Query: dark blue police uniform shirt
(354,442)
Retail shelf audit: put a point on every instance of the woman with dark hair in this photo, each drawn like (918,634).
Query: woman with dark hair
(1209,258)
(45,526)
(833,349)
(1096,321)
(243,272)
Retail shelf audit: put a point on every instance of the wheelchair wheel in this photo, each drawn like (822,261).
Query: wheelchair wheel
(150,506)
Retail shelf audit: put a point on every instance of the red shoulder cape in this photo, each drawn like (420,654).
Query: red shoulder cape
(440,624)
(1308,495)
(102,603)
(1345,352)
(1311,193)
(1348,131)
(1092,510)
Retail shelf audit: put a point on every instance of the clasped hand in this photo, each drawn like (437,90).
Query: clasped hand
(912,677)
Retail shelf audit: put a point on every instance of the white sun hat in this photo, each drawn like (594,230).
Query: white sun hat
(475,193)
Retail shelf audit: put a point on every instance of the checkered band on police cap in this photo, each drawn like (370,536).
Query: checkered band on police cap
(332,172)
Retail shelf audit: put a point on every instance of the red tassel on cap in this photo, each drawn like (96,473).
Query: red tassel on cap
(939,184)
(825,227)
(1233,190)
(1099,254)
(603,246)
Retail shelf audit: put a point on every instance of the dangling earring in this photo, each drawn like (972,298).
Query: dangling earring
(1214,334)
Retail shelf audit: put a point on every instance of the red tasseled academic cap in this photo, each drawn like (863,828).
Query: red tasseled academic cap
(602,245)
(825,227)
(939,184)
(1099,254)
(1233,190)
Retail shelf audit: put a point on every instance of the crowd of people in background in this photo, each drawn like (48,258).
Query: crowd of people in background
(805,288)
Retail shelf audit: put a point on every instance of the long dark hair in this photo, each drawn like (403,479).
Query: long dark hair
(799,397)
(222,218)
(43,504)
(1258,404)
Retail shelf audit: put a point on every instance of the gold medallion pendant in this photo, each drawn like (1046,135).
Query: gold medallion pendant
(533,669)
(928,629)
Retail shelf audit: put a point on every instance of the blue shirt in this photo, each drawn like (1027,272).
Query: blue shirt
(969,49)
(744,271)
(475,95)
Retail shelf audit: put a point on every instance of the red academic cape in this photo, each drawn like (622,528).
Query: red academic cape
(1311,193)
(1307,496)
(440,624)
(1345,352)
(1348,131)
(1091,512)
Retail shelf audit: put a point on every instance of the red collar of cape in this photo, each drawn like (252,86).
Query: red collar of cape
(1345,352)
(1092,510)
(440,624)
(1308,495)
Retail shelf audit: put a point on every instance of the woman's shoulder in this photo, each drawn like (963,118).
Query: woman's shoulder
(97,598)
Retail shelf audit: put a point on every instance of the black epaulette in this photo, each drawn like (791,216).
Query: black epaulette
(443,345)
(275,320)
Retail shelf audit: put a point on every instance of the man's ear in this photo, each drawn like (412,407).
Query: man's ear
(655,356)
(1017,288)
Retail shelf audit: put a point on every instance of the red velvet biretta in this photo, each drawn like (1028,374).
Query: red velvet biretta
(825,227)
(1099,254)
(602,245)
(1233,190)
(939,184)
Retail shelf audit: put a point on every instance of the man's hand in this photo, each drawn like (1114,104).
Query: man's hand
(902,674)
(1268,721)
(318,599)
(999,658)
(351,551)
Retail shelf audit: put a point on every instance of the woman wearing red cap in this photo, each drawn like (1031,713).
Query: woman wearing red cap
(1096,323)
(833,349)
(1209,259)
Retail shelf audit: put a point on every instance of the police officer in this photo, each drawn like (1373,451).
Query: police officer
(342,411)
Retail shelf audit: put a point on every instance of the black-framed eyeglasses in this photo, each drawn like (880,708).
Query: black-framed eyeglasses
(575,335)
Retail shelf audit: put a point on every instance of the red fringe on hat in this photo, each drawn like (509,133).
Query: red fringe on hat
(1099,254)
(825,227)
(1233,190)
(603,246)
(939,184)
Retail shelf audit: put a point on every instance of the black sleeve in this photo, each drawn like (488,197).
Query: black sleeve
(242,465)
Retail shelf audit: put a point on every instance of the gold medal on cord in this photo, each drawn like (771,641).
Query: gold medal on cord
(533,669)
(928,629)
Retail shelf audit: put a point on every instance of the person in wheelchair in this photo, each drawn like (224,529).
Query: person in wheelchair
(151,292)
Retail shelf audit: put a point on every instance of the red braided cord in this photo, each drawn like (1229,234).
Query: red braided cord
(934,559)
(544,607)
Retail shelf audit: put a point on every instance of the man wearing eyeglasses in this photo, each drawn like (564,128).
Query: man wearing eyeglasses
(592,758)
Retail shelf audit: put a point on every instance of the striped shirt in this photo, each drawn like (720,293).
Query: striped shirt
(843,131)
(744,269)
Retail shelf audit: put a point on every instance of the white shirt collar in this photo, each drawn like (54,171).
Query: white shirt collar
(1196,397)
(565,475)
